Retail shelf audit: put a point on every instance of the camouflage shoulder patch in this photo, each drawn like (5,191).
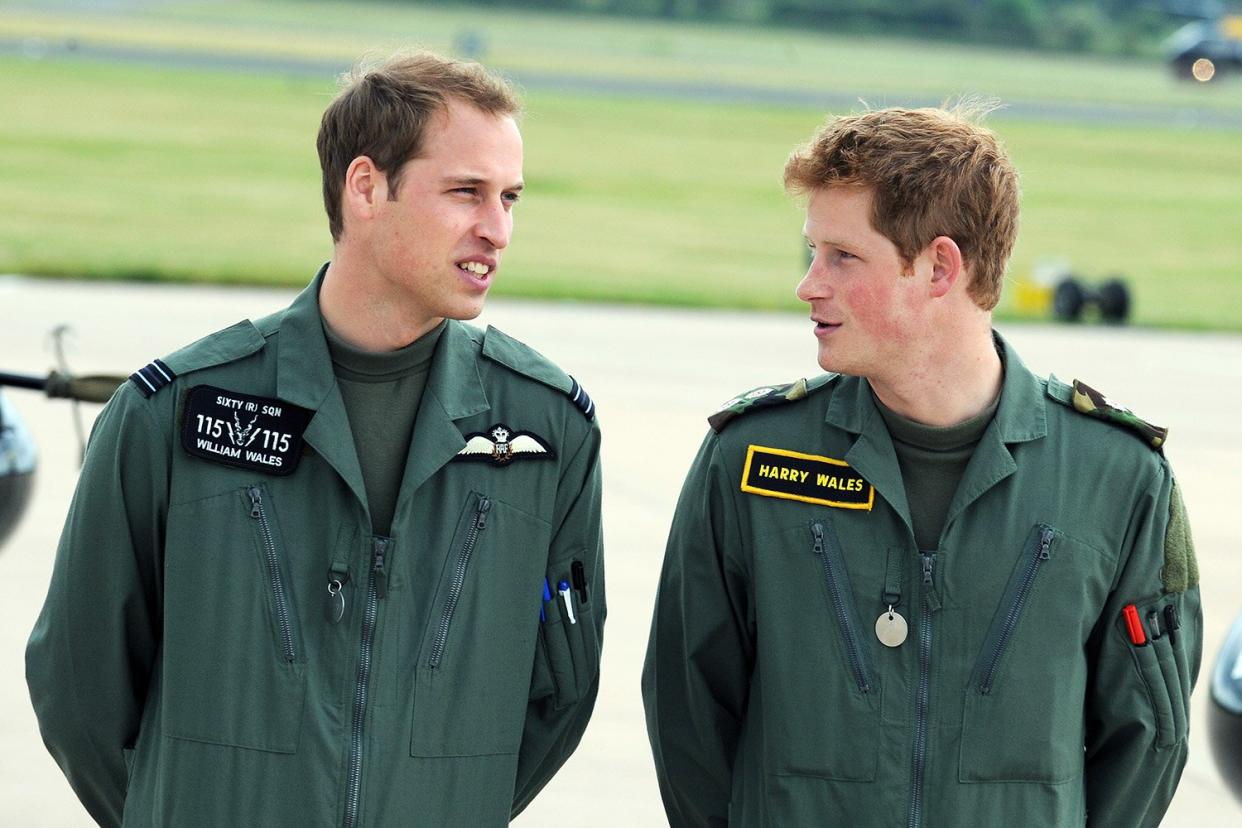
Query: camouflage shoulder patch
(1094,404)
(762,397)
(1181,569)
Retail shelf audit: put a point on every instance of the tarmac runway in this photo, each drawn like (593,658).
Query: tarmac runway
(655,375)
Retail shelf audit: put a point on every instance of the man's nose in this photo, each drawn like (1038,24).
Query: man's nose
(813,284)
(495,225)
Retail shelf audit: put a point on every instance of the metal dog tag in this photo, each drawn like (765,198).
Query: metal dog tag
(891,628)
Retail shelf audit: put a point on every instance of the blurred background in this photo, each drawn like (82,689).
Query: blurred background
(158,180)
(174,140)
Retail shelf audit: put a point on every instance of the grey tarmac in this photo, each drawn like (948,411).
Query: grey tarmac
(655,374)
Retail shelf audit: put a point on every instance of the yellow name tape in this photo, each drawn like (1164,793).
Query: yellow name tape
(810,478)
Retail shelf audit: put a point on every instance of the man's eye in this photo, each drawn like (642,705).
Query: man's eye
(512,198)
(466,190)
(844,256)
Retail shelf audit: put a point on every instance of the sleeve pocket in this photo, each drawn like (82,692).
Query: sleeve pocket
(570,650)
(1157,665)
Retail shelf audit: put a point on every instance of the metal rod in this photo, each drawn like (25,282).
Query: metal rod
(23,381)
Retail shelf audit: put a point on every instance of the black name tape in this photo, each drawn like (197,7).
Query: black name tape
(257,433)
(792,475)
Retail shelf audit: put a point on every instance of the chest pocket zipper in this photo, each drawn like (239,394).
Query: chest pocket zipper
(1037,553)
(280,594)
(828,550)
(460,567)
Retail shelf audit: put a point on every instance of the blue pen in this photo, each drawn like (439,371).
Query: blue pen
(547,596)
(563,589)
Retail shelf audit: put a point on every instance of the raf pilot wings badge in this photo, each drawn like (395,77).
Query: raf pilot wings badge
(501,446)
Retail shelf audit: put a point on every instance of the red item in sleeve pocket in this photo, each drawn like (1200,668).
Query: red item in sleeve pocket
(1134,625)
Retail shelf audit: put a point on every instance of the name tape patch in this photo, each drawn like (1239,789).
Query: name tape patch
(262,434)
(810,478)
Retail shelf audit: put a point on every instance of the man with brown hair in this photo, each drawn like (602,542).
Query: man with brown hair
(342,565)
(927,588)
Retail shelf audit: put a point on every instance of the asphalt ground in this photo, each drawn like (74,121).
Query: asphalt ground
(655,375)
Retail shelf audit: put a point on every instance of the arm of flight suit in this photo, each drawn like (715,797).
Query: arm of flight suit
(567,656)
(90,656)
(1139,696)
(701,653)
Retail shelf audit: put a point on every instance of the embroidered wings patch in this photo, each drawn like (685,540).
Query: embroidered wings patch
(501,445)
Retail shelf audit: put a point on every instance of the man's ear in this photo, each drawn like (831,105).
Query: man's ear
(365,186)
(946,263)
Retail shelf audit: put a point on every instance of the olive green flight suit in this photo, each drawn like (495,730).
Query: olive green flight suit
(222,646)
(1018,697)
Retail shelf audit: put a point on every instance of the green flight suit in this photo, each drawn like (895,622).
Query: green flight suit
(1018,698)
(192,667)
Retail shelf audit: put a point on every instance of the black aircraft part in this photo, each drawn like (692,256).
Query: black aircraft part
(17,469)
(1225,710)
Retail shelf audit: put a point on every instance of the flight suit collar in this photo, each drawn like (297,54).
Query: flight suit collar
(303,366)
(1023,414)
(454,391)
(852,409)
(304,377)
(1020,417)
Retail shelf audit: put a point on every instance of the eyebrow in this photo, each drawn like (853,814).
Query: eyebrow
(474,181)
(831,242)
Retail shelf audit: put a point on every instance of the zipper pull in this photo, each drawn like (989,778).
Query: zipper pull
(256,501)
(334,610)
(929,582)
(377,567)
(484,506)
(1045,541)
(818,531)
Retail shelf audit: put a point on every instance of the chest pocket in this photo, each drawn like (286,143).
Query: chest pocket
(234,664)
(821,693)
(473,674)
(1022,716)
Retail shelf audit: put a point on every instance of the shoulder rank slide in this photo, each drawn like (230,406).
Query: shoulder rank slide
(1094,404)
(579,397)
(152,377)
(756,398)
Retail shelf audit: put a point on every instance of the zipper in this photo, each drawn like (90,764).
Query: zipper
(377,585)
(1038,555)
(459,579)
(931,603)
(257,512)
(842,606)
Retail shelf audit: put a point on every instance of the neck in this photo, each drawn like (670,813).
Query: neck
(366,311)
(948,381)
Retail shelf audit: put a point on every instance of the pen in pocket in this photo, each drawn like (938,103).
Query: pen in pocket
(578,572)
(563,588)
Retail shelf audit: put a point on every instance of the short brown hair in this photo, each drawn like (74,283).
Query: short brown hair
(932,172)
(382,112)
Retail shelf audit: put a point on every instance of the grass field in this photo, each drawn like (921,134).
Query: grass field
(123,170)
